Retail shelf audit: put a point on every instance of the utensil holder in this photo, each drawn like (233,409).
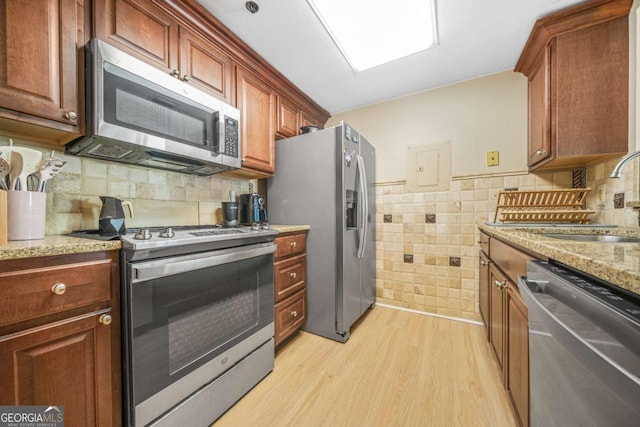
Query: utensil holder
(26,212)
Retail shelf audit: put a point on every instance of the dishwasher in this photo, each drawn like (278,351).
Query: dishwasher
(584,349)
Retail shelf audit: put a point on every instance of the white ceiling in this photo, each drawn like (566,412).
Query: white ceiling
(477,37)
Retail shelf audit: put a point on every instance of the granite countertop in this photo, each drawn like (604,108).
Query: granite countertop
(54,245)
(289,228)
(617,263)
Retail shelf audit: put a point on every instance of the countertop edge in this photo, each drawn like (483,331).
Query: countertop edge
(54,245)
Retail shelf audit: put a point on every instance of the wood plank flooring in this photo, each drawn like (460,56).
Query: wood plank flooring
(397,369)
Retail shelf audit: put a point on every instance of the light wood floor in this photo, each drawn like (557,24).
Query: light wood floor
(396,369)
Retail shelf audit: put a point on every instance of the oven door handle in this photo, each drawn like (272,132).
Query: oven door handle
(168,267)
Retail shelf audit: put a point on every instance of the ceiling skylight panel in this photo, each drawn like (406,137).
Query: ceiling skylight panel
(371,33)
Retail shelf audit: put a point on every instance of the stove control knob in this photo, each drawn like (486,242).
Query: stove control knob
(143,234)
(168,233)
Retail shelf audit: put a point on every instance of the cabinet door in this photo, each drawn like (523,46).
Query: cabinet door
(287,118)
(205,66)
(65,363)
(517,369)
(140,28)
(539,141)
(590,68)
(256,102)
(497,282)
(39,72)
(307,119)
(483,284)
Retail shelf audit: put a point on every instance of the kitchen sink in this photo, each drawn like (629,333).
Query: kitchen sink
(593,238)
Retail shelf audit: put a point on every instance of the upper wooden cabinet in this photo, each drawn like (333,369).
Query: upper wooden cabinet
(143,29)
(577,63)
(256,101)
(39,86)
(292,118)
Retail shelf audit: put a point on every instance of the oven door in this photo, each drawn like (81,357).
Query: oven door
(192,317)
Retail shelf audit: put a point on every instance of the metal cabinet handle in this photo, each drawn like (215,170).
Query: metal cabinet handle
(59,288)
(185,78)
(293,275)
(175,73)
(501,285)
(541,152)
(294,313)
(293,244)
(105,319)
(484,264)
(70,115)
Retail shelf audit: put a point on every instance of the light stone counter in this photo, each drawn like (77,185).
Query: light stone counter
(617,263)
(54,245)
(289,228)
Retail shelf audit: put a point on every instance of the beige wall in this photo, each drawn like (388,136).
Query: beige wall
(480,115)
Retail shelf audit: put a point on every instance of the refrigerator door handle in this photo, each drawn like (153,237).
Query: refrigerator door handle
(362,173)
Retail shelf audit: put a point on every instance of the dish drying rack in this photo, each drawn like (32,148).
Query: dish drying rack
(552,206)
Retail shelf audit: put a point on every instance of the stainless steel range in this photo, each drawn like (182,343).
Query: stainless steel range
(197,307)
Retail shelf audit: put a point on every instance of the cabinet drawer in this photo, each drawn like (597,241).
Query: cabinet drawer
(290,245)
(290,276)
(484,242)
(290,315)
(510,260)
(27,294)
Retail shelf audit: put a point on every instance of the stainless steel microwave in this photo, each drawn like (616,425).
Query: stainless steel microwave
(140,115)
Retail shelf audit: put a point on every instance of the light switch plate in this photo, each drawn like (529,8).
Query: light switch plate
(493,158)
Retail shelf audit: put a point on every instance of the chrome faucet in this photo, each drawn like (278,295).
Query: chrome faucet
(616,173)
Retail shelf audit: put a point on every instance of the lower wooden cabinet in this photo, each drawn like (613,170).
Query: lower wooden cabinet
(66,363)
(497,285)
(506,319)
(517,347)
(60,335)
(290,284)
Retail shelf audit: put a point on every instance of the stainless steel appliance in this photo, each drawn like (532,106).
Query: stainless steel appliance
(253,211)
(326,179)
(198,321)
(138,114)
(584,349)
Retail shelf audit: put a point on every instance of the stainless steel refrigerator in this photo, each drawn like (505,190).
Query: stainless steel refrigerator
(326,179)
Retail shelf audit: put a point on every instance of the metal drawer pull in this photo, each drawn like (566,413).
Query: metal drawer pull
(105,319)
(185,78)
(59,288)
(484,264)
(175,73)
(541,152)
(294,313)
(293,275)
(70,115)
(501,285)
(293,244)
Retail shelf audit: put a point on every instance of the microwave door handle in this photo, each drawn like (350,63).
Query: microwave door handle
(155,270)
(362,173)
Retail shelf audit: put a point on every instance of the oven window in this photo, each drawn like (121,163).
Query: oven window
(182,321)
(140,105)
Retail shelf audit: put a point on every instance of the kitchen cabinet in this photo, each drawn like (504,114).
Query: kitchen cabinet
(497,284)
(483,288)
(578,101)
(517,350)
(290,284)
(60,335)
(292,118)
(506,317)
(41,78)
(256,101)
(146,31)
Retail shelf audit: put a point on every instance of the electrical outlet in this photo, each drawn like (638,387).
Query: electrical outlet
(493,158)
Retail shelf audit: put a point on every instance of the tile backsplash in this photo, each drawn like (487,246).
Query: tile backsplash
(438,232)
(158,197)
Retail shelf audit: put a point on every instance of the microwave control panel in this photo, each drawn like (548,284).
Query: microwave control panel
(231,139)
